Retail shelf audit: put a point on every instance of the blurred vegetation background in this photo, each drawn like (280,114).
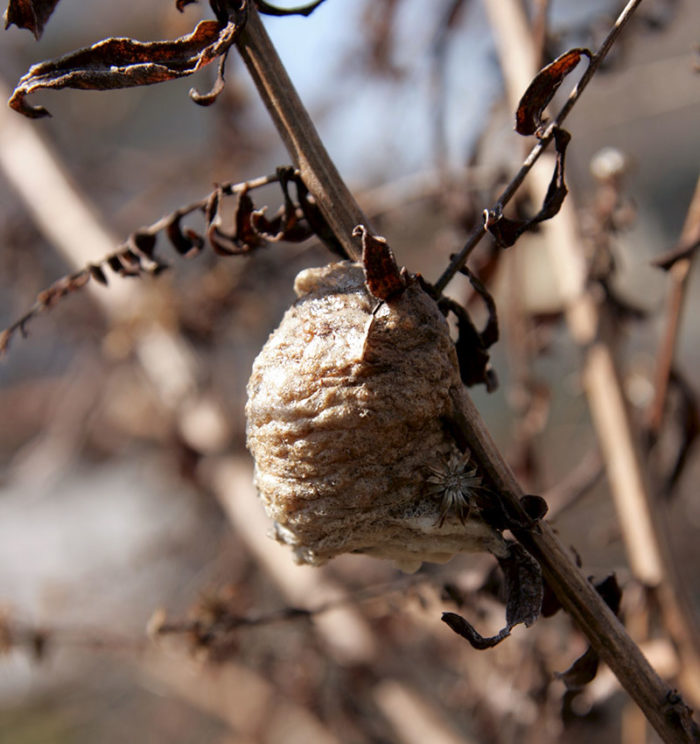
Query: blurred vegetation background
(125,489)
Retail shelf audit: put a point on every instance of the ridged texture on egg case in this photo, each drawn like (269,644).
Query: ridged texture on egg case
(346,413)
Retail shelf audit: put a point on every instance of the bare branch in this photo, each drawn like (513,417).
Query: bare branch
(337,204)
(507,194)
(679,271)
(662,706)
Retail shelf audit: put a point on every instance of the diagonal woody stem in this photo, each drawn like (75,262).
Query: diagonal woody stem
(475,238)
(338,206)
(662,706)
(664,709)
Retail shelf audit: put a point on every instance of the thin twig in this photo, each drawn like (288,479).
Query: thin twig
(620,446)
(70,245)
(507,194)
(337,204)
(679,283)
(668,715)
(601,379)
(662,706)
(680,615)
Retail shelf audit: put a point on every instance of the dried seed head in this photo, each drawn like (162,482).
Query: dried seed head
(346,412)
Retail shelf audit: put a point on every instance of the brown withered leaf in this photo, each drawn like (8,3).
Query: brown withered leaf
(98,274)
(124,63)
(611,592)
(465,629)
(224,243)
(286,224)
(528,117)
(186,242)
(582,671)
(524,588)
(180,4)
(30,14)
(585,668)
(272,230)
(206,99)
(524,591)
(506,231)
(245,232)
(384,279)
(472,345)
(144,243)
(491,332)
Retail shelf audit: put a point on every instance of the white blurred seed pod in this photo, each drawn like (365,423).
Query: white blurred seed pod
(346,420)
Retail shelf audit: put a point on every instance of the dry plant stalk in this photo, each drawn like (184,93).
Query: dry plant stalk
(638,517)
(339,207)
(663,707)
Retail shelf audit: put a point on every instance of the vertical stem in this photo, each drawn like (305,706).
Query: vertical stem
(337,204)
(679,281)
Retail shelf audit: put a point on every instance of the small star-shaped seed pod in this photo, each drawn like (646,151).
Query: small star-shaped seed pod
(346,415)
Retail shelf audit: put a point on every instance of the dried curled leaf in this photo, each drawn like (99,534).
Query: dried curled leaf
(317,222)
(506,231)
(137,256)
(288,223)
(524,592)
(472,353)
(585,668)
(581,672)
(465,629)
(472,345)
(30,14)
(186,242)
(123,63)
(528,117)
(384,279)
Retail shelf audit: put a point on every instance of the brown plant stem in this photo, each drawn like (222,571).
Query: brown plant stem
(620,445)
(679,273)
(668,715)
(661,705)
(507,194)
(308,154)
(674,596)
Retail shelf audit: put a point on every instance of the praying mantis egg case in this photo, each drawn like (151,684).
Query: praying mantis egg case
(345,419)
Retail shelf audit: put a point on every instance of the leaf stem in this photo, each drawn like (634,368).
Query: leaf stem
(507,194)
